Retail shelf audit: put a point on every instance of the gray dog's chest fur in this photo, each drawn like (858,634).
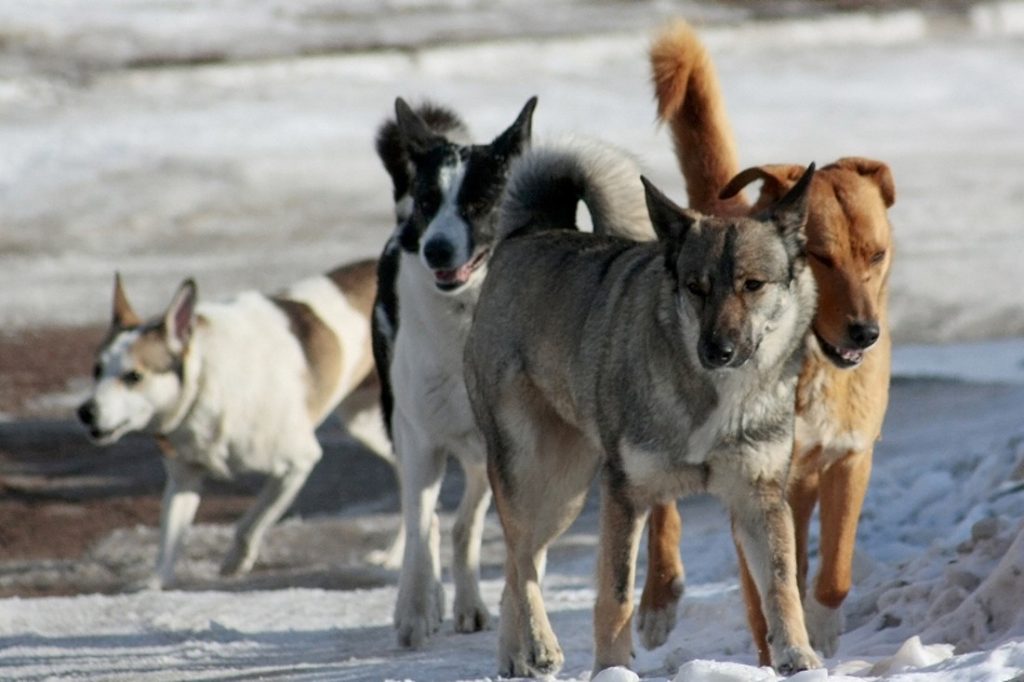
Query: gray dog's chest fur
(612,355)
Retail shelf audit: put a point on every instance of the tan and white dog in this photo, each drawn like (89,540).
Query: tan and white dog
(843,389)
(238,387)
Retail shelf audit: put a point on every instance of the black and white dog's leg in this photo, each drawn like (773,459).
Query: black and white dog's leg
(420,606)
(469,610)
(177,511)
(273,501)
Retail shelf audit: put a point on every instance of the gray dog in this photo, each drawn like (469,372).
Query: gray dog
(667,366)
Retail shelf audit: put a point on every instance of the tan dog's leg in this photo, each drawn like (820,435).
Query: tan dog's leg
(843,486)
(755,616)
(621,526)
(802,494)
(665,576)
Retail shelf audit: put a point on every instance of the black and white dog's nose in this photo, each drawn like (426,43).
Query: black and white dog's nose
(438,253)
(87,412)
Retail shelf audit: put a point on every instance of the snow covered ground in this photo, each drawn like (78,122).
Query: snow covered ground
(257,170)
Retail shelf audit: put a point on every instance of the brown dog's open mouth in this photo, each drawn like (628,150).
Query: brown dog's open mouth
(844,358)
(448,280)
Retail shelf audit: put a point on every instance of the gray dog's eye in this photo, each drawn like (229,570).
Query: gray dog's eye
(131,377)
(753,285)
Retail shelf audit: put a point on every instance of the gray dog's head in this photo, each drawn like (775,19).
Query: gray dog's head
(734,276)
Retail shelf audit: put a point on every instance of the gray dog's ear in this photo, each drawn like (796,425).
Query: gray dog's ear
(671,222)
(179,318)
(414,131)
(790,212)
(124,315)
(516,138)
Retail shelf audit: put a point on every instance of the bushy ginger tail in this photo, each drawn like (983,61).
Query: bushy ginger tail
(690,101)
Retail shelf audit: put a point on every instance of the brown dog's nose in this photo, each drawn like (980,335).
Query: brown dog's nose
(864,334)
(87,412)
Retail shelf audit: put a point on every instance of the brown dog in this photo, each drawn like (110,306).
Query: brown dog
(844,385)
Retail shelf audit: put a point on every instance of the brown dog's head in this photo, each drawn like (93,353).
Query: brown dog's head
(849,241)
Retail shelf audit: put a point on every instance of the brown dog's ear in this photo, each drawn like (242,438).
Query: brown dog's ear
(777,179)
(124,316)
(178,320)
(876,171)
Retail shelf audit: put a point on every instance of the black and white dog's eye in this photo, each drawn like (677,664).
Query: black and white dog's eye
(97,370)
(131,377)
(753,285)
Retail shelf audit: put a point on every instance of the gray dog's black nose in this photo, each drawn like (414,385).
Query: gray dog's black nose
(864,334)
(718,353)
(87,412)
(439,253)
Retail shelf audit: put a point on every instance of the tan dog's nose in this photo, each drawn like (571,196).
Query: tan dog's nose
(864,334)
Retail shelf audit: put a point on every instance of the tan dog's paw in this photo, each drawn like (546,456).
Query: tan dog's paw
(824,625)
(656,616)
(796,658)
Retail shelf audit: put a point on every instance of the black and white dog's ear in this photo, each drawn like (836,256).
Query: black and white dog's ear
(124,315)
(790,212)
(179,319)
(671,222)
(415,133)
(516,138)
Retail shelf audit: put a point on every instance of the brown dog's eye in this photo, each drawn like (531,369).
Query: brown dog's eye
(878,257)
(131,377)
(824,260)
(753,285)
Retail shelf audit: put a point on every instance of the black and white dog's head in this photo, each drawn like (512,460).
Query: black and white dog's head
(454,190)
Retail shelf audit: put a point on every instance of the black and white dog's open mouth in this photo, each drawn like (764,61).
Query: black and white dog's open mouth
(447,280)
(844,358)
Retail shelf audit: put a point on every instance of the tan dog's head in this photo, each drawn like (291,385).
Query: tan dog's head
(849,241)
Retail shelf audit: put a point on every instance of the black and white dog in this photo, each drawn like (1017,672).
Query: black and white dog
(446,194)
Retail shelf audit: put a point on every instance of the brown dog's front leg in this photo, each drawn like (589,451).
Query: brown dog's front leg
(666,576)
(843,486)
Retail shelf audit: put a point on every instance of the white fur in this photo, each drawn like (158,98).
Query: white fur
(348,325)
(448,224)
(240,408)
(432,419)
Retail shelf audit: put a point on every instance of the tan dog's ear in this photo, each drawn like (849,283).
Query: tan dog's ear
(777,179)
(124,316)
(876,171)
